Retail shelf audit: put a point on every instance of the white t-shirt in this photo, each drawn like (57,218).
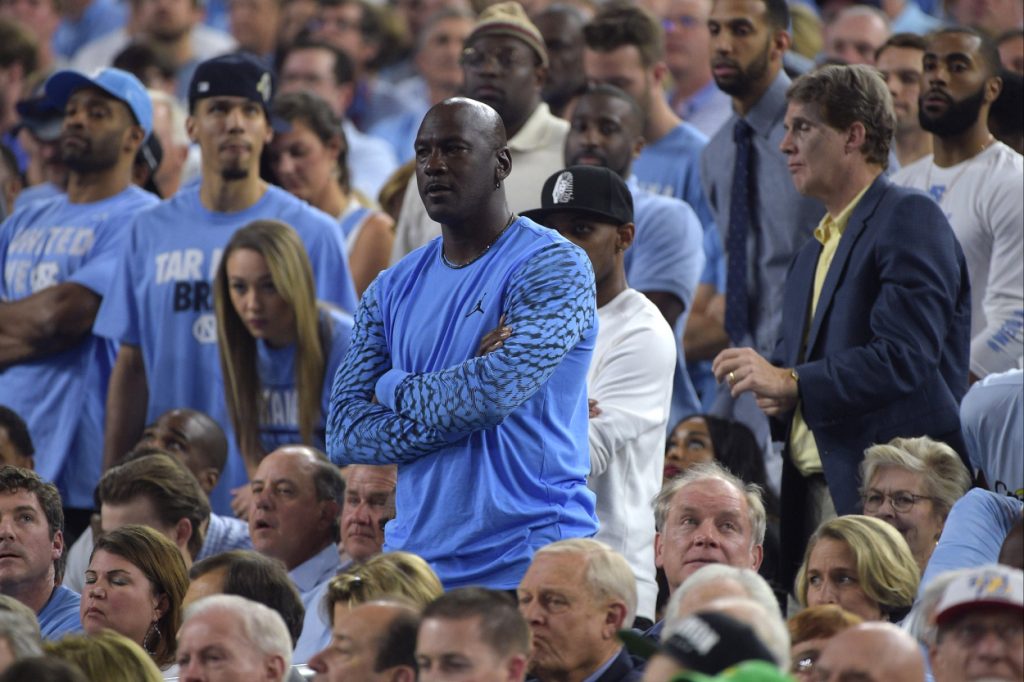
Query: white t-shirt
(630,377)
(981,197)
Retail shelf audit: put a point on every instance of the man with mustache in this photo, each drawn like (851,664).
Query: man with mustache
(504,65)
(162,313)
(58,257)
(976,180)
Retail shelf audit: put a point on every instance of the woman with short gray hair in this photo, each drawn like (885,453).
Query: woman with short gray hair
(912,483)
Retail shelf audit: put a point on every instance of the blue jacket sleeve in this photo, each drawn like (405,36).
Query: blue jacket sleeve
(550,306)
(358,430)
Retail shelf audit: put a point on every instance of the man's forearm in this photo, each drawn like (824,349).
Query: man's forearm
(46,322)
(127,401)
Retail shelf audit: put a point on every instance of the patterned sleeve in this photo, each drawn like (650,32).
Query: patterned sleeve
(550,306)
(360,431)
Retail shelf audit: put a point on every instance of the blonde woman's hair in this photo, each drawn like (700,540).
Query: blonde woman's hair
(886,569)
(393,574)
(292,274)
(106,656)
(943,473)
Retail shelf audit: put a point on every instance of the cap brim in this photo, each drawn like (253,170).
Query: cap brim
(538,215)
(960,609)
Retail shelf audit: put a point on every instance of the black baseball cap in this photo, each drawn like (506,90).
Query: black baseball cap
(233,75)
(41,117)
(707,642)
(594,190)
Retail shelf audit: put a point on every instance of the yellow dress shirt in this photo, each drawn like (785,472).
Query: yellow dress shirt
(802,448)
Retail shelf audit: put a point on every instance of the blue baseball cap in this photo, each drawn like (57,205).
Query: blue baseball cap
(115,82)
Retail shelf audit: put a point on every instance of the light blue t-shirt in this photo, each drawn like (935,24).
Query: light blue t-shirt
(101,17)
(279,418)
(492,451)
(161,300)
(61,396)
(671,167)
(60,615)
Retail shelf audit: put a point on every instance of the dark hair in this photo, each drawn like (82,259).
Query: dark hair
(139,57)
(737,449)
(344,70)
(259,578)
(13,479)
(502,626)
(777,13)
(17,429)
(1006,115)
(168,484)
(607,90)
(329,486)
(1017,32)
(397,646)
(17,46)
(43,669)
(316,114)
(988,50)
(162,564)
(910,41)
(845,95)
(619,24)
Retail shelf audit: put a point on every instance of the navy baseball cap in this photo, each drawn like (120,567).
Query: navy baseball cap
(118,84)
(232,75)
(40,117)
(594,190)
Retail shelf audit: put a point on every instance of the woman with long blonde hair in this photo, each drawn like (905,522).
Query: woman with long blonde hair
(279,346)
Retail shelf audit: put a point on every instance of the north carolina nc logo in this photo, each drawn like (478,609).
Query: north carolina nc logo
(562,192)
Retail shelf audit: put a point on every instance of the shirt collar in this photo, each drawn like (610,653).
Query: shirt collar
(838,224)
(535,132)
(771,108)
(596,675)
(316,569)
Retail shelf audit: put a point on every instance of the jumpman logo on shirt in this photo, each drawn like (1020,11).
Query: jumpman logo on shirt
(478,308)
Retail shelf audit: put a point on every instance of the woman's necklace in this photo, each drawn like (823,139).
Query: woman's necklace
(453,266)
(964,163)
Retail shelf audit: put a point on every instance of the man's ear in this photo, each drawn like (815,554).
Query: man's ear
(626,233)
(183,532)
(208,476)
(659,72)
(659,546)
(274,666)
(540,75)
(516,665)
(504,163)
(993,86)
(614,619)
(401,673)
(134,139)
(58,545)
(757,556)
(856,136)
(780,44)
(190,128)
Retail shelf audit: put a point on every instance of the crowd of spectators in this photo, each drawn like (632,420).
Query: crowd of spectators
(553,340)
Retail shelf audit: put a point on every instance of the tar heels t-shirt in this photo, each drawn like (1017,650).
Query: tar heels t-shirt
(61,396)
(162,301)
(279,412)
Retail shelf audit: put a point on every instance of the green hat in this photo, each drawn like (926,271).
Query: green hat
(751,671)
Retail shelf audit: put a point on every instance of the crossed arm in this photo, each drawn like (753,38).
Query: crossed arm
(46,322)
(549,304)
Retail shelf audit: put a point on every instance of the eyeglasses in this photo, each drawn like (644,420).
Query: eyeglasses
(505,59)
(804,664)
(971,633)
(682,21)
(902,500)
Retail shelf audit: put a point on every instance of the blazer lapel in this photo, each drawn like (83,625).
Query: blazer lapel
(858,221)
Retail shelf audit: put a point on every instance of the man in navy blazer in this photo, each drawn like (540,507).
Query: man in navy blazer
(875,331)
